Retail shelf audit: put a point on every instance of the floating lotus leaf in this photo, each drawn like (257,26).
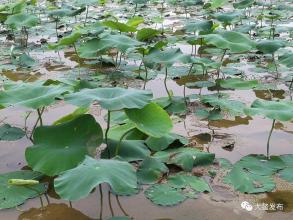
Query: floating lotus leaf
(111,98)
(157,144)
(167,57)
(247,182)
(185,181)
(8,133)
(236,83)
(129,150)
(269,46)
(78,182)
(232,106)
(282,110)
(135,21)
(14,195)
(177,105)
(287,172)
(22,20)
(164,195)
(30,95)
(151,170)
(151,120)
(61,147)
(186,158)
(230,40)
(200,84)
(260,165)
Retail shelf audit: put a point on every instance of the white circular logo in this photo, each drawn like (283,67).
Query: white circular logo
(246,205)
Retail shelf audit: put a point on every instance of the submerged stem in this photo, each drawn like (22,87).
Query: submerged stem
(268,142)
(222,58)
(86,15)
(78,59)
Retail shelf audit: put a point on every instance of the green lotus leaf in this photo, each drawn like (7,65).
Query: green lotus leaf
(167,57)
(129,150)
(260,165)
(177,105)
(22,20)
(282,110)
(13,195)
(66,41)
(151,170)
(228,17)
(218,3)
(158,144)
(146,34)
(77,113)
(185,181)
(246,182)
(116,131)
(30,95)
(269,46)
(186,158)
(200,84)
(8,133)
(230,40)
(111,98)
(233,107)
(236,83)
(287,172)
(63,12)
(287,60)
(78,182)
(61,147)
(135,21)
(115,25)
(164,195)
(121,42)
(242,4)
(151,120)
(202,27)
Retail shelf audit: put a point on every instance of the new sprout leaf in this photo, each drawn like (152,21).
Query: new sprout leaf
(78,182)
(235,83)
(61,147)
(13,195)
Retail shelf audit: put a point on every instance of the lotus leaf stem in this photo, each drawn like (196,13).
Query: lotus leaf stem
(107,131)
(268,142)
(101,201)
(86,15)
(165,83)
(146,76)
(110,203)
(120,140)
(78,59)
(120,206)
